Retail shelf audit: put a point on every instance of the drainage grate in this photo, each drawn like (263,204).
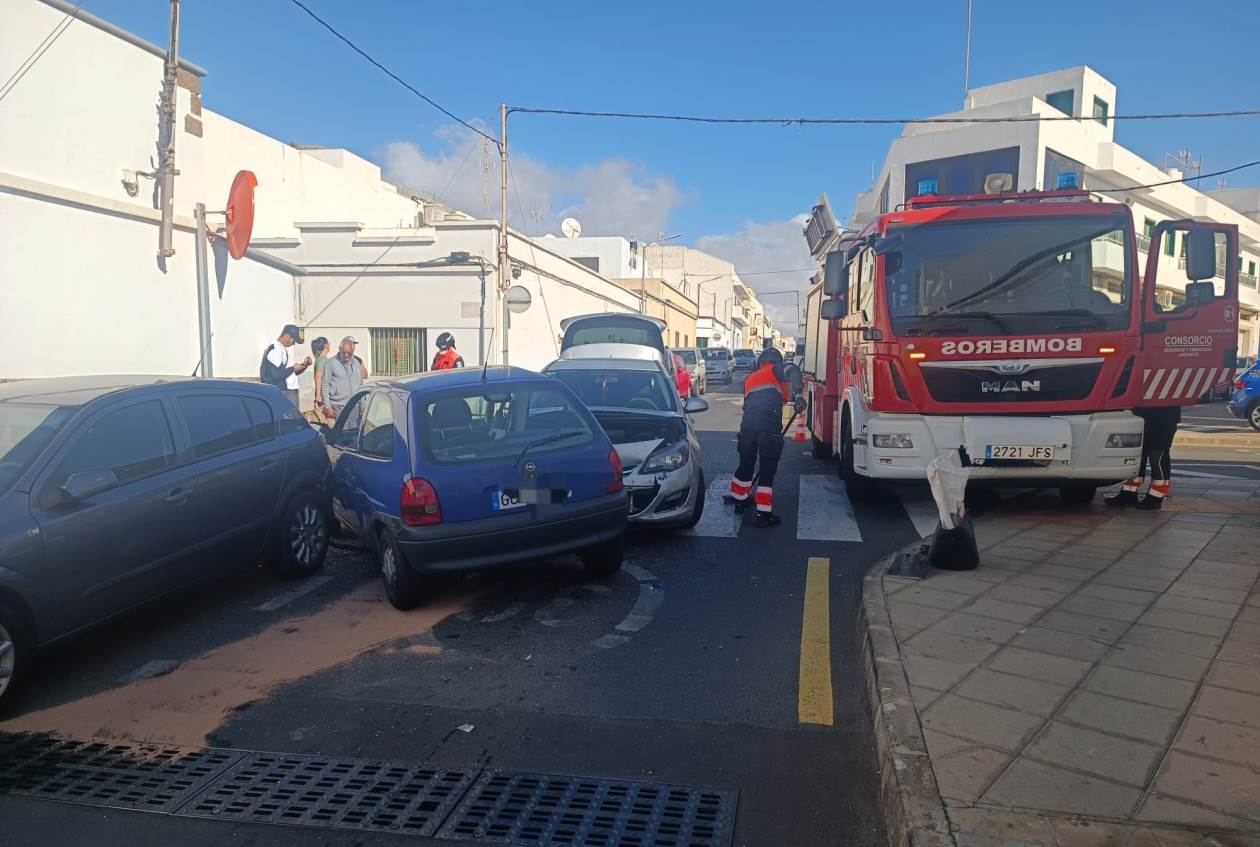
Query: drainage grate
(148,777)
(331,792)
(539,810)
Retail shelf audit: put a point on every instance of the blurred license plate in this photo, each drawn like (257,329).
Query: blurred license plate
(501,500)
(1009,451)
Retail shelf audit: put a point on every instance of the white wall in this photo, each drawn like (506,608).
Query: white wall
(616,260)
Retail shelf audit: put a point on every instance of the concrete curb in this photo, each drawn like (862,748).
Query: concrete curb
(914,814)
(1241,440)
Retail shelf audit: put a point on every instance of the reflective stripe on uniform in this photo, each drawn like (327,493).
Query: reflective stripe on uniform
(1133,484)
(740,489)
(1160,488)
(764,499)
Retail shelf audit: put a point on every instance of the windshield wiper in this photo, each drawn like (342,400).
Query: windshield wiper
(555,436)
(1073,313)
(980,316)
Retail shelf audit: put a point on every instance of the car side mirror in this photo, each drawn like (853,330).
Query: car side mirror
(695,404)
(85,484)
(833,310)
(1200,254)
(835,275)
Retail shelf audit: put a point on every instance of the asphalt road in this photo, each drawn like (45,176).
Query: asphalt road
(687,668)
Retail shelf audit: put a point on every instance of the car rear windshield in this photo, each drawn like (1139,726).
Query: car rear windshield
(743,352)
(25,430)
(644,390)
(486,423)
(688,356)
(717,354)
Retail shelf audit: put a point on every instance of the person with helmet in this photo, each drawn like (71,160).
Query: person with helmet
(446,356)
(760,439)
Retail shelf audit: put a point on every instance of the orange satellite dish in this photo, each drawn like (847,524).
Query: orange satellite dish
(240,213)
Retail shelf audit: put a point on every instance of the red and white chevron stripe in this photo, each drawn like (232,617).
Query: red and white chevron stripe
(1179,383)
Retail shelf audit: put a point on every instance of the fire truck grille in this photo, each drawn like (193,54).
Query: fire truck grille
(1037,385)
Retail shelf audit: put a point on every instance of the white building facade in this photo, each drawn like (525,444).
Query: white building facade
(955,158)
(730,314)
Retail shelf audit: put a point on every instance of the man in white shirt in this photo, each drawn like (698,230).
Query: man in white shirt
(277,366)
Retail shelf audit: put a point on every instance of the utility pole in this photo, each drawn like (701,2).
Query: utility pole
(166,140)
(505,264)
(203,290)
(967,58)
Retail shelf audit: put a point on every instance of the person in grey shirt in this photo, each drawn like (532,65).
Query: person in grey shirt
(343,375)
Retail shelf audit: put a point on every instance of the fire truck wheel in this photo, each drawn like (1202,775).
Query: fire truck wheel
(859,488)
(820,449)
(1078,492)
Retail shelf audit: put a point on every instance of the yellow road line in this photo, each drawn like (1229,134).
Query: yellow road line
(814,693)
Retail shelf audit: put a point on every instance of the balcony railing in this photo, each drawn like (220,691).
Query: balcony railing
(1115,237)
(1144,243)
(1220,267)
(1247,279)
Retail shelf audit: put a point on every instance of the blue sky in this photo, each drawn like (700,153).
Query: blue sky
(275,69)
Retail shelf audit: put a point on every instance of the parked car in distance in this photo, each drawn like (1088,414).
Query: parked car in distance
(1223,389)
(463,469)
(117,490)
(719,364)
(647,422)
(745,359)
(1245,401)
(693,358)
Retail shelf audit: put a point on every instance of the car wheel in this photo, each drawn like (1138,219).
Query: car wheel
(860,488)
(303,538)
(1077,493)
(403,586)
(13,650)
(698,511)
(604,560)
(1253,416)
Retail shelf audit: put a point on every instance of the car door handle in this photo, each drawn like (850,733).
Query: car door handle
(179,495)
(270,465)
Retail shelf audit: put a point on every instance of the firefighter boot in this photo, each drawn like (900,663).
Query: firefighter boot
(1156,495)
(1127,495)
(739,505)
(765,519)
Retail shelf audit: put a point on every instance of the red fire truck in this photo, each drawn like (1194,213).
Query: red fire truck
(1012,328)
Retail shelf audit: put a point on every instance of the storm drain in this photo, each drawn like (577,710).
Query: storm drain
(540,810)
(126,776)
(491,807)
(337,793)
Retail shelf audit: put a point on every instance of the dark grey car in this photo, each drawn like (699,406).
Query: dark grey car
(117,490)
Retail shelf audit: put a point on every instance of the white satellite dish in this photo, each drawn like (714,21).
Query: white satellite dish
(570,228)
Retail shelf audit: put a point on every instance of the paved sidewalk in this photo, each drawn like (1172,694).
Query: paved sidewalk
(1097,679)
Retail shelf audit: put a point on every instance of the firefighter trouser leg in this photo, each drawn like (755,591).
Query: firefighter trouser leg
(1159,435)
(760,445)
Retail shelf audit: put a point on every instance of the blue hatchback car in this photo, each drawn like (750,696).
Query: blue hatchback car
(458,470)
(1245,401)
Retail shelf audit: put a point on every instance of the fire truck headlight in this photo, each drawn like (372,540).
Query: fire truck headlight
(1128,440)
(896,440)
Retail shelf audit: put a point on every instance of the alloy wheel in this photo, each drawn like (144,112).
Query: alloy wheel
(1255,416)
(8,658)
(308,534)
(389,567)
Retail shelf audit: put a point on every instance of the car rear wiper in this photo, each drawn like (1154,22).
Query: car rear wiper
(555,436)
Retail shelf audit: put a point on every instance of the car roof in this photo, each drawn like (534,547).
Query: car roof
(590,364)
(78,390)
(457,378)
(612,350)
(622,318)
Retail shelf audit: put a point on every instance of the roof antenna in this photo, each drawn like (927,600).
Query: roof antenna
(485,355)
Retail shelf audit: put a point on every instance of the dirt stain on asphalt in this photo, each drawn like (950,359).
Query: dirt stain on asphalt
(184,706)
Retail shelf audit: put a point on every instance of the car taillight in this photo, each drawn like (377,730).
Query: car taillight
(1238,384)
(617,484)
(420,506)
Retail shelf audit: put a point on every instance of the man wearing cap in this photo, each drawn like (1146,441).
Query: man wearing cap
(343,375)
(277,367)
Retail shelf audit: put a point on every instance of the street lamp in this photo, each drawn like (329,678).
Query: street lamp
(643,269)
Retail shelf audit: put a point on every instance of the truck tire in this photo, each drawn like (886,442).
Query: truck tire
(14,647)
(860,488)
(1077,492)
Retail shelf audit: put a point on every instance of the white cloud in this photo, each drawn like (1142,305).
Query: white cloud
(610,197)
(761,246)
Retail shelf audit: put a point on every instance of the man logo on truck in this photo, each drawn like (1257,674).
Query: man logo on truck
(997,386)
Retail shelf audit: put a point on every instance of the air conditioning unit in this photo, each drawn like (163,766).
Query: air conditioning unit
(433,214)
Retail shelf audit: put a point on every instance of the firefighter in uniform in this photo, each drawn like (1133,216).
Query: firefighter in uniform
(446,356)
(1157,437)
(760,440)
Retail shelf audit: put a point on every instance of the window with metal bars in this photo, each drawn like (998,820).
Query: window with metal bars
(398,350)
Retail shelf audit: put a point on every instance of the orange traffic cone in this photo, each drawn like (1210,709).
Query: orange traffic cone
(798,434)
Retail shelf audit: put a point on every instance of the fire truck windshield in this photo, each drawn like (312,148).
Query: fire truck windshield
(1003,276)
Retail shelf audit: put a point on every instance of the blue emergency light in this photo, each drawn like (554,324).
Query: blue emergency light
(1067,179)
(927,186)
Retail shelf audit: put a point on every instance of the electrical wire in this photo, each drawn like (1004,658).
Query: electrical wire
(706,119)
(471,146)
(311,320)
(38,53)
(391,74)
(1176,181)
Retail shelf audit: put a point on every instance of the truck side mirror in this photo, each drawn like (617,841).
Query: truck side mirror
(835,275)
(1200,254)
(833,310)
